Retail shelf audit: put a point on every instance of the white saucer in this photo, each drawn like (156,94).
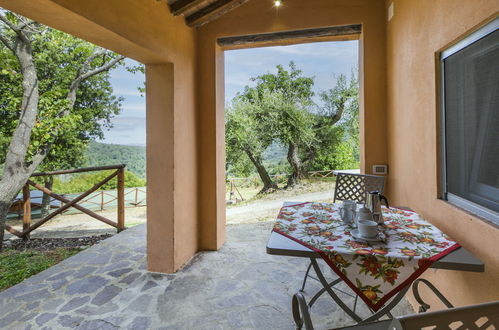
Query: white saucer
(379,238)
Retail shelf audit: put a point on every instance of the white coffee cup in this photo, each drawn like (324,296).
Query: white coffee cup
(367,228)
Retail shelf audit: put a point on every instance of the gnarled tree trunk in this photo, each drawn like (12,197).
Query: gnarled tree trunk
(268,184)
(9,188)
(296,164)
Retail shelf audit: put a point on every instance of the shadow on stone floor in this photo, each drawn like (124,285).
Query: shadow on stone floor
(107,287)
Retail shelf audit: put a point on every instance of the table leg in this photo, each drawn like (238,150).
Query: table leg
(330,291)
(328,287)
(305,278)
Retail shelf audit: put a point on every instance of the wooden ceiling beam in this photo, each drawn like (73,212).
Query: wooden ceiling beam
(274,37)
(179,7)
(212,12)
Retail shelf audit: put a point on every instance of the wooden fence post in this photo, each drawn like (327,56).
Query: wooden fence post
(121,199)
(26,210)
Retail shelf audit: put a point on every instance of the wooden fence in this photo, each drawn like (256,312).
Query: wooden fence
(67,203)
(99,199)
(321,174)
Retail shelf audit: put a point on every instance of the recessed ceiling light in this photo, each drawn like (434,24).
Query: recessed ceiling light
(277,3)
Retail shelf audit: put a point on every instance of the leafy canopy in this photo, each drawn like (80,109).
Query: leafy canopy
(58,57)
(280,110)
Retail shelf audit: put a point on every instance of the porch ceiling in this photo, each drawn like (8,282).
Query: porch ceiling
(200,12)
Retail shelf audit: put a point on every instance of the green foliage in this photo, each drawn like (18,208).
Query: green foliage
(101,154)
(58,58)
(83,182)
(285,98)
(16,266)
(279,111)
(291,84)
(274,111)
(246,134)
(337,128)
(341,158)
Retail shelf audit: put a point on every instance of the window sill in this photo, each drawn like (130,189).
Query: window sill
(473,210)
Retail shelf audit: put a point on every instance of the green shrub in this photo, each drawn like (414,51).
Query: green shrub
(16,266)
(83,182)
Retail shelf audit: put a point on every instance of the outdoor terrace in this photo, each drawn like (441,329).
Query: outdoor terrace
(107,286)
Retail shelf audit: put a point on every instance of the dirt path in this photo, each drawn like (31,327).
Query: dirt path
(80,225)
(267,210)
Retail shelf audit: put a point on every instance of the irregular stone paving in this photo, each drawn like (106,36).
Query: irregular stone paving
(107,287)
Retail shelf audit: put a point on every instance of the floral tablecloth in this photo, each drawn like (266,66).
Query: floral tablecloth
(374,270)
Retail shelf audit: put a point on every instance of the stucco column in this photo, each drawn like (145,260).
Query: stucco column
(212,147)
(160,168)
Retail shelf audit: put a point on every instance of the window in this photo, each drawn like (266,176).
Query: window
(470,130)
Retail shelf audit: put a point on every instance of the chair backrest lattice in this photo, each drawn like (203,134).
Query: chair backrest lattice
(355,186)
(482,316)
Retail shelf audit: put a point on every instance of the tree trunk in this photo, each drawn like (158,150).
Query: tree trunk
(4,209)
(17,169)
(294,161)
(268,184)
(48,183)
(16,172)
(9,188)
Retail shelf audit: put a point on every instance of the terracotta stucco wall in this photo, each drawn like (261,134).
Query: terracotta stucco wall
(416,33)
(146,31)
(259,16)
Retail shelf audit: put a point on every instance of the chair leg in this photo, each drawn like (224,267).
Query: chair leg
(423,306)
(305,278)
(301,314)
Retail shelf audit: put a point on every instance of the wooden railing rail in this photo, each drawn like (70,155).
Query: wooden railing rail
(102,202)
(67,203)
(321,174)
(81,170)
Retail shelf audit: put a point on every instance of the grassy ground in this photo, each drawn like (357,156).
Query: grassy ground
(250,194)
(16,266)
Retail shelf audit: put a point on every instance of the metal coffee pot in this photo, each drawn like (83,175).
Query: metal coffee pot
(373,203)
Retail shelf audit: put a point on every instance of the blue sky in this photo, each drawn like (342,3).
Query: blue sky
(321,60)
(324,61)
(129,127)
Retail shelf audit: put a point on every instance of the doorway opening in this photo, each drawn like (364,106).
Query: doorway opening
(291,119)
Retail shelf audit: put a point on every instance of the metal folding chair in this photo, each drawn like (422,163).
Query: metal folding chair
(355,186)
(352,187)
(481,316)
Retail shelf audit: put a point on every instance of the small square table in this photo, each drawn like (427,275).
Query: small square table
(459,260)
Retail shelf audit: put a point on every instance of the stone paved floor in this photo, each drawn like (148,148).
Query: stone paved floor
(107,287)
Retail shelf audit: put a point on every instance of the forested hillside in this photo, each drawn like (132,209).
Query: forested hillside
(100,154)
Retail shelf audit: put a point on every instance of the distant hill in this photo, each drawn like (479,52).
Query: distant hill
(101,154)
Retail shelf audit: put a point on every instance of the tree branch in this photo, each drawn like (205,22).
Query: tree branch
(25,23)
(14,28)
(103,68)
(7,43)
(84,67)
(73,88)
